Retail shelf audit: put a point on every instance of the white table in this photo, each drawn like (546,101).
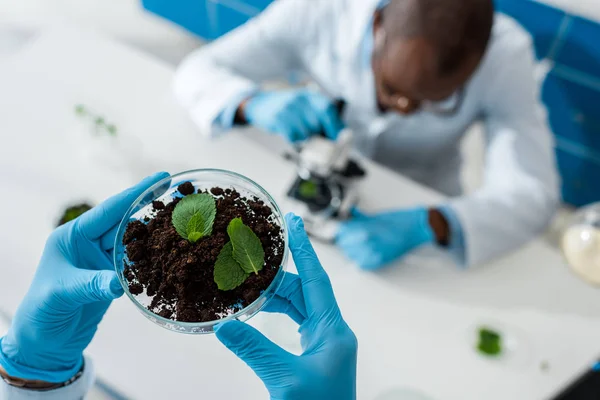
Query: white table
(412,320)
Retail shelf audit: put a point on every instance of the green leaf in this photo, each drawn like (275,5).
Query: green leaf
(228,273)
(112,130)
(188,207)
(247,248)
(80,109)
(195,227)
(490,342)
(99,121)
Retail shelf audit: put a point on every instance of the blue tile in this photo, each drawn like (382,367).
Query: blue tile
(230,18)
(576,125)
(581,47)
(573,110)
(190,14)
(580,179)
(541,21)
(260,4)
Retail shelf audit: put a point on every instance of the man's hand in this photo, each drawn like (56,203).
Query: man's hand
(73,287)
(375,241)
(327,368)
(294,114)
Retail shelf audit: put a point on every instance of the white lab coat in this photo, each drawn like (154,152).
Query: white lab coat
(325,40)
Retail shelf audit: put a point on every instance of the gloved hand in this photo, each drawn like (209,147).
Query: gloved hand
(327,368)
(294,114)
(73,287)
(374,241)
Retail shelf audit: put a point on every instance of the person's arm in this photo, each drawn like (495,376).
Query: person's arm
(41,355)
(520,191)
(214,80)
(19,389)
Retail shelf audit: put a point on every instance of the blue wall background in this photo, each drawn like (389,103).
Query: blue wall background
(571,90)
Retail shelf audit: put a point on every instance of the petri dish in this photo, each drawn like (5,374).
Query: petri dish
(166,191)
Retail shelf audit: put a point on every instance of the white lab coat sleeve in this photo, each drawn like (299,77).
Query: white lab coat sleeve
(520,192)
(233,67)
(75,391)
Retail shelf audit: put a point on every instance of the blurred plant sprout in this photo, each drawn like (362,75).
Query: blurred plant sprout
(99,122)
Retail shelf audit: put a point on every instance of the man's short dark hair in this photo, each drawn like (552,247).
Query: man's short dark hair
(456,28)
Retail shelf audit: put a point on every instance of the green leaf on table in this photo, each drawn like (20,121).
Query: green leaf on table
(490,342)
(247,248)
(202,205)
(80,109)
(228,274)
(112,130)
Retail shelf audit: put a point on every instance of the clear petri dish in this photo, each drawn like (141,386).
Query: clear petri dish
(166,191)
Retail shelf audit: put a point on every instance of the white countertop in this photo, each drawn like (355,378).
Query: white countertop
(412,321)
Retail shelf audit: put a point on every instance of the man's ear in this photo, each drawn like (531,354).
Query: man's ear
(377,20)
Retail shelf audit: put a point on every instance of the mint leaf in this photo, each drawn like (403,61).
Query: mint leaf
(490,342)
(228,273)
(247,248)
(194,237)
(195,227)
(202,204)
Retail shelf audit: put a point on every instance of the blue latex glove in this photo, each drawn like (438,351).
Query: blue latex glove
(73,287)
(294,114)
(374,241)
(327,368)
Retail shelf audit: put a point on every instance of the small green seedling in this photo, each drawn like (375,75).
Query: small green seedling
(194,216)
(240,257)
(490,342)
(99,122)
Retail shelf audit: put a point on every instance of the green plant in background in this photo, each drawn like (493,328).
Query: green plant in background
(240,257)
(490,342)
(308,189)
(194,216)
(100,124)
(73,212)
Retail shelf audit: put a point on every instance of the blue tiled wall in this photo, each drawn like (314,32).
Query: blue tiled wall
(571,91)
(208,19)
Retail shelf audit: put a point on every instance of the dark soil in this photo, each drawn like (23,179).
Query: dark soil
(179,274)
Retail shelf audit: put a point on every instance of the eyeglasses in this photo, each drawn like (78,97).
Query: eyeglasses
(447,107)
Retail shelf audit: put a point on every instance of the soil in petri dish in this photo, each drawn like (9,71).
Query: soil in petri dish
(178,275)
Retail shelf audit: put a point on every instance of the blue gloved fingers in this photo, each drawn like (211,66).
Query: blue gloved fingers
(356,213)
(350,234)
(291,290)
(280,305)
(329,117)
(107,241)
(316,286)
(331,121)
(87,286)
(102,218)
(309,115)
(265,358)
(296,126)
